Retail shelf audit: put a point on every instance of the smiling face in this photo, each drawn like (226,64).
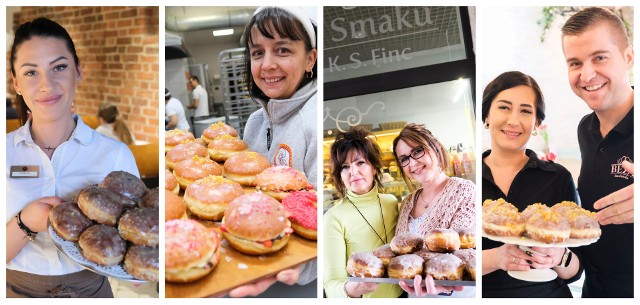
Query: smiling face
(425,169)
(512,118)
(357,173)
(278,65)
(47,77)
(598,67)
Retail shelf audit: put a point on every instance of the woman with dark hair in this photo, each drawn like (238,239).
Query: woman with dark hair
(112,125)
(281,72)
(49,160)
(512,109)
(362,220)
(440,202)
(280,56)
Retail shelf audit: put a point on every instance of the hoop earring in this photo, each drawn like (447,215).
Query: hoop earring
(535,132)
(309,74)
(486,125)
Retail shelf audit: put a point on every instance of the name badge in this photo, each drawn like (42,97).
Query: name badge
(24,171)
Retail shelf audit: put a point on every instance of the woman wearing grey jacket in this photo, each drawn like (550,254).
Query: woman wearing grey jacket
(281,72)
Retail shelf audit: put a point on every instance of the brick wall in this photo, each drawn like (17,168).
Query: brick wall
(118,51)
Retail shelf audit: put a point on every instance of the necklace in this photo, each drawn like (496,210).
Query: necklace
(49,148)
(426,204)
(385,241)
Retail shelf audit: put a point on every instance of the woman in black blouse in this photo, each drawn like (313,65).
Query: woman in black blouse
(512,109)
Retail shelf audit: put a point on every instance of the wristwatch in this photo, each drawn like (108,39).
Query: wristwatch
(566,258)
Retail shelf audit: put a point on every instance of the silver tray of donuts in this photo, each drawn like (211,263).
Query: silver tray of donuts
(386,280)
(562,225)
(448,256)
(111,228)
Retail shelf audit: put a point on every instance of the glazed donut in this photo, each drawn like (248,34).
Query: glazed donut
(467,238)
(465,254)
(470,268)
(503,221)
(101,205)
(563,208)
(142,262)
(405,266)
(224,146)
(243,167)
(68,221)
(364,264)
(256,224)
(209,197)
(175,137)
(303,213)
(151,199)
(140,226)
(196,168)
(279,181)
(191,250)
(426,254)
(444,267)
(442,240)
(489,204)
(548,227)
(407,242)
(583,224)
(126,185)
(174,207)
(384,253)
(532,209)
(184,151)
(170,182)
(217,129)
(102,245)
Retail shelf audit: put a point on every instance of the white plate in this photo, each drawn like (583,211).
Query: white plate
(525,241)
(73,251)
(534,275)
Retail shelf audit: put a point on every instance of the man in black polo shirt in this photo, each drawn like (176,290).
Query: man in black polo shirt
(599,58)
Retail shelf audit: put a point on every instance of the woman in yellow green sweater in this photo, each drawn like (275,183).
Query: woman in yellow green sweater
(361,220)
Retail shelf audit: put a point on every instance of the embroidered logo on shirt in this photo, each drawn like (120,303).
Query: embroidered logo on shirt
(283,156)
(618,171)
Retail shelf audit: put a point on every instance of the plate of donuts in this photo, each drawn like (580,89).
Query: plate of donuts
(387,280)
(72,250)
(528,242)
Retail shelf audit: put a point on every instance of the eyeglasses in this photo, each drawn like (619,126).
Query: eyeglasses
(416,154)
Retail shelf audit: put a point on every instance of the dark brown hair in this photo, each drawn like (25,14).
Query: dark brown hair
(40,27)
(508,80)
(269,22)
(109,113)
(416,135)
(357,138)
(588,17)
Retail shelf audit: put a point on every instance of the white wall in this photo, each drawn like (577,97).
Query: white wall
(511,41)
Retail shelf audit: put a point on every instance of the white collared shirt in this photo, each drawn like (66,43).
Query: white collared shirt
(86,158)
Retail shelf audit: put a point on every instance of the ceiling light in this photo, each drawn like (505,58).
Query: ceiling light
(223,32)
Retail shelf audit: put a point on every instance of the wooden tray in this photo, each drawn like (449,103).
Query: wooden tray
(235,269)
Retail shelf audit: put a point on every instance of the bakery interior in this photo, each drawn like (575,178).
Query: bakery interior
(432,83)
(118,50)
(193,46)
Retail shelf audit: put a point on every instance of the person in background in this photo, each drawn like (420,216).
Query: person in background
(112,125)
(12,114)
(440,202)
(281,73)
(362,220)
(599,58)
(174,111)
(63,155)
(512,109)
(200,98)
